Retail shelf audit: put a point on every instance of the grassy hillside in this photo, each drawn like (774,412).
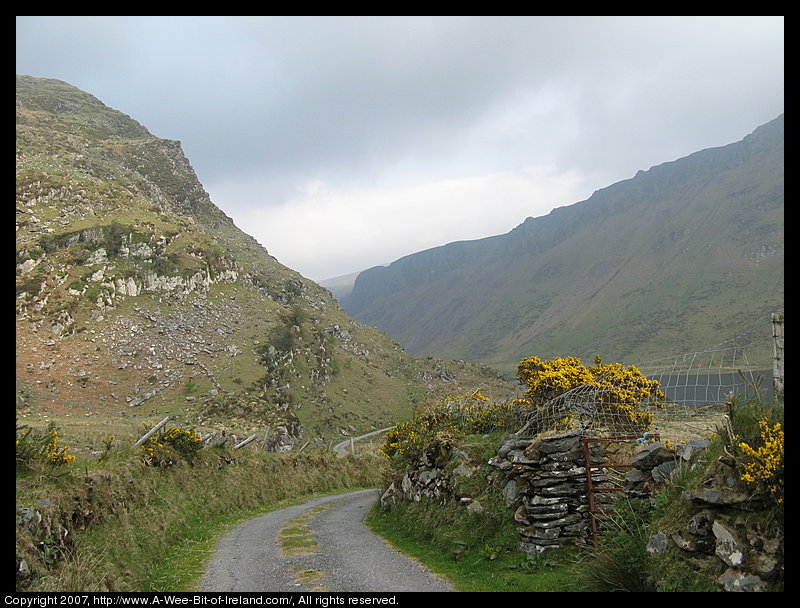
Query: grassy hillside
(666,262)
(137,297)
(122,522)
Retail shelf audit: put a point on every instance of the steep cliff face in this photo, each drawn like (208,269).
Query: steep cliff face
(134,289)
(665,262)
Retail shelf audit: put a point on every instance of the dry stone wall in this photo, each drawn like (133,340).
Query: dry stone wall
(721,535)
(544,484)
(547,488)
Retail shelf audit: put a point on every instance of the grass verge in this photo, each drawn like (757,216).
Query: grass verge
(182,565)
(476,551)
(121,525)
(469,556)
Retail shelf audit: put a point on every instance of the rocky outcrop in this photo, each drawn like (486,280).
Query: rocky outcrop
(132,287)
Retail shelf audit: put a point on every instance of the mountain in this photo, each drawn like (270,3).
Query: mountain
(136,295)
(676,259)
(340,286)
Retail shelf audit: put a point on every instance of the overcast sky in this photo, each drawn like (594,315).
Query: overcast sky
(341,143)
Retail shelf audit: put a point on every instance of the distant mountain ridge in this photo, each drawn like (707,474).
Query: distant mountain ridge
(340,286)
(664,262)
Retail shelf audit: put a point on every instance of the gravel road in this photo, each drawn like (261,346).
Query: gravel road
(344,556)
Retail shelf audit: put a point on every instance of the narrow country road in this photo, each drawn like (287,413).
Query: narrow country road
(318,545)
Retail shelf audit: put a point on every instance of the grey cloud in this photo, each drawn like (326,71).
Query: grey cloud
(332,96)
(274,103)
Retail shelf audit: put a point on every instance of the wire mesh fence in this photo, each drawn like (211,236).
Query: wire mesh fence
(695,391)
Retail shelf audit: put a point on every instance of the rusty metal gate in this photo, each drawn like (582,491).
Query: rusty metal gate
(591,489)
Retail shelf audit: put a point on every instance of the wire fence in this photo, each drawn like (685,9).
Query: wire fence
(714,375)
(699,387)
(696,391)
(597,413)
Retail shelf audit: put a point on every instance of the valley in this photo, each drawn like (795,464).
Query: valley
(673,260)
(138,299)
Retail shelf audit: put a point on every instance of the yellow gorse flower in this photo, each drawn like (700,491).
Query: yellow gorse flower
(166,448)
(55,455)
(456,414)
(764,465)
(618,391)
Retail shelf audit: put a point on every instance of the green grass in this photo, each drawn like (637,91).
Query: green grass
(144,528)
(474,551)
(477,552)
(472,560)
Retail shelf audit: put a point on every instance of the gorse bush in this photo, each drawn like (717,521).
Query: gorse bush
(612,394)
(617,394)
(478,414)
(547,380)
(756,438)
(763,465)
(36,446)
(167,448)
(453,415)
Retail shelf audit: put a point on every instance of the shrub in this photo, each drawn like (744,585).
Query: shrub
(613,397)
(165,449)
(283,338)
(454,415)
(114,237)
(755,437)
(763,466)
(475,413)
(35,446)
(549,379)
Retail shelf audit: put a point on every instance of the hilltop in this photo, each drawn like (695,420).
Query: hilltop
(136,296)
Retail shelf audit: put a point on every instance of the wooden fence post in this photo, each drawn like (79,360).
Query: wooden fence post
(777,350)
(151,431)
(245,442)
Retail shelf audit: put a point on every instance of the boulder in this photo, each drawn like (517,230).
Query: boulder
(389,497)
(657,543)
(716,497)
(735,580)
(687,451)
(651,455)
